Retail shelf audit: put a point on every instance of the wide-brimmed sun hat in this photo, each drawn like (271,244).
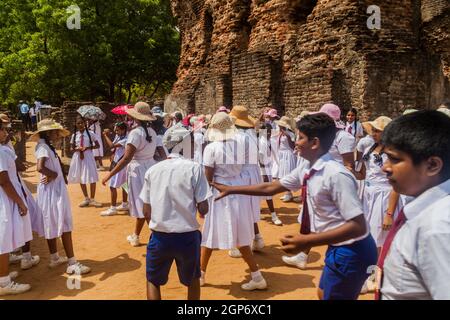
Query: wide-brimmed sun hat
(242,118)
(48,125)
(444,110)
(286,122)
(379,123)
(334,112)
(408,111)
(141,111)
(174,136)
(272,113)
(221,128)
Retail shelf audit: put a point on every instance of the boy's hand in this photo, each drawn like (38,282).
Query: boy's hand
(22,208)
(387,222)
(223,189)
(294,244)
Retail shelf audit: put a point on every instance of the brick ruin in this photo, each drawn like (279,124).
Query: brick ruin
(298,54)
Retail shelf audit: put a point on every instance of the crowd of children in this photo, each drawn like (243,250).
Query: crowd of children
(377,193)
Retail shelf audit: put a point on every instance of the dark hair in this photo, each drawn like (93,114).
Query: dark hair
(353,110)
(319,125)
(421,135)
(145,124)
(44,136)
(75,131)
(158,126)
(121,125)
(178,116)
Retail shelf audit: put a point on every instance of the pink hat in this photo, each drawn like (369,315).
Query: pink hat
(273,113)
(223,109)
(334,112)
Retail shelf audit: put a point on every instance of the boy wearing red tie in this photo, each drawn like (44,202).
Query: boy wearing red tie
(332,212)
(415,259)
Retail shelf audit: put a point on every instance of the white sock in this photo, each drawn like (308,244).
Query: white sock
(274,215)
(256,276)
(54,256)
(27,255)
(4,281)
(258,236)
(202,274)
(72,261)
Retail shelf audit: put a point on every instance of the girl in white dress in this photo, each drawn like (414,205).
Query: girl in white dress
(138,158)
(94,126)
(229,223)
(117,181)
(82,166)
(15,223)
(285,145)
(53,198)
(353,126)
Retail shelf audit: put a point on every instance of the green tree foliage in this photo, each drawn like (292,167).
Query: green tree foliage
(124,48)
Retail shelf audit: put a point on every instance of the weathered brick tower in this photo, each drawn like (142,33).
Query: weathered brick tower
(299,54)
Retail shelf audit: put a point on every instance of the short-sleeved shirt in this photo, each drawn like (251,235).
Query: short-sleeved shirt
(374,165)
(7,163)
(364,143)
(173,188)
(418,263)
(223,157)
(119,151)
(52,163)
(342,144)
(355,129)
(144,150)
(332,194)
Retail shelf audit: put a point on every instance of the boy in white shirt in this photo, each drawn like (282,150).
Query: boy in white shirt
(415,260)
(173,191)
(335,216)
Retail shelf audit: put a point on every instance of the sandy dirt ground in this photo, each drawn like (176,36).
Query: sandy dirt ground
(118,270)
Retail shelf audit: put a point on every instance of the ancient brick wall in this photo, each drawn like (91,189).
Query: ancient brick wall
(299,54)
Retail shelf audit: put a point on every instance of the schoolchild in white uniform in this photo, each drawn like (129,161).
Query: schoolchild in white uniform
(199,140)
(229,223)
(248,156)
(94,126)
(117,181)
(265,161)
(380,201)
(343,147)
(53,198)
(332,214)
(353,126)
(415,260)
(142,143)
(173,191)
(158,126)
(82,166)
(15,223)
(286,144)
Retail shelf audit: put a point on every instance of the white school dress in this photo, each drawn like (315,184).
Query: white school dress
(355,129)
(95,127)
(275,159)
(265,156)
(142,160)
(15,230)
(118,180)
(287,159)
(199,140)
(250,170)
(229,222)
(362,145)
(83,171)
(376,196)
(342,144)
(53,198)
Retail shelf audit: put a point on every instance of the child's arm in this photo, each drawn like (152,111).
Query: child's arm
(349,160)
(263,189)
(353,228)
(108,141)
(42,169)
(361,174)
(147,211)
(7,186)
(203,208)
(130,150)
(392,205)
(162,153)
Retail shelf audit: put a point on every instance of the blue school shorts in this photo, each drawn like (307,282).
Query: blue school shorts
(347,268)
(164,248)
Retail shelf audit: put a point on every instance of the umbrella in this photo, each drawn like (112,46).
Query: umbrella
(91,112)
(121,110)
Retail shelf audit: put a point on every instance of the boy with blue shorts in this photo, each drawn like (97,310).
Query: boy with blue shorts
(332,213)
(414,263)
(173,191)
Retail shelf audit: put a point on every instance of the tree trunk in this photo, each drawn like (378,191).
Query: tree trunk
(129,95)
(154,90)
(112,87)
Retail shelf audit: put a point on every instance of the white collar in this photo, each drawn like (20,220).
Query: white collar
(175,156)
(419,204)
(320,163)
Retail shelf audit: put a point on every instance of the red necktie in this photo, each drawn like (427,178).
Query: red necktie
(305,228)
(398,223)
(350,130)
(82,140)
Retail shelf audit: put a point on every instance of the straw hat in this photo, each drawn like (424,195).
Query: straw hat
(444,110)
(141,111)
(174,136)
(241,117)
(286,122)
(302,114)
(221,128)
(48,125)
(379,123)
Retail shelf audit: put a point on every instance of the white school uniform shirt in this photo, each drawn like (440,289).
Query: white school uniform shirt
(358,132)
(222,156)
(342,144)
(86,142)
(332,195)
(144,149)
(418,263)
(365,143)
(119,151)
(173,188)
